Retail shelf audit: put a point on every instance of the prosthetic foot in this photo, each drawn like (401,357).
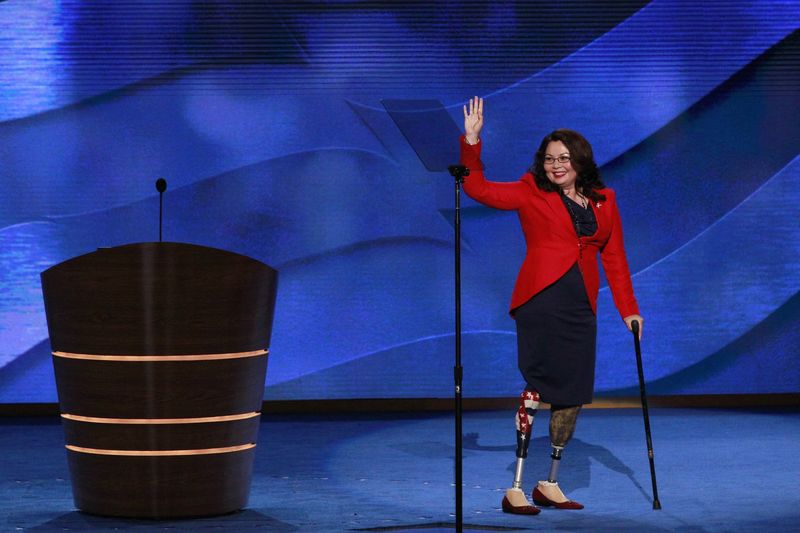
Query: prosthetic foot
(522,505)
(554,498)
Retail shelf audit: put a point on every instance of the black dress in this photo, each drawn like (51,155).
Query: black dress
(557,331)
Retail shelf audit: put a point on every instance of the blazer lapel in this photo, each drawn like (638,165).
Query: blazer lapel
(560,213)
(601,214)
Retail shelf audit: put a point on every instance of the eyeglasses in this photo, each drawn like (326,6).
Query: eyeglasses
(549,160)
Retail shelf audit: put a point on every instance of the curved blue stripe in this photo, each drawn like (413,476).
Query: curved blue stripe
(624,78)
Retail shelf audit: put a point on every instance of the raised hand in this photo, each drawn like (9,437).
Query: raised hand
(473,120)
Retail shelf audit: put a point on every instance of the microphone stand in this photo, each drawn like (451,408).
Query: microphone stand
(458,172)
(429,129)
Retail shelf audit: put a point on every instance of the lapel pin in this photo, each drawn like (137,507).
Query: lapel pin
(598,204)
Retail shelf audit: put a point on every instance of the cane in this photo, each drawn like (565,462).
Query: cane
(635,329)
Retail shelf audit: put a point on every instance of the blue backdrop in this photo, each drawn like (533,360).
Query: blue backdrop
(269,121)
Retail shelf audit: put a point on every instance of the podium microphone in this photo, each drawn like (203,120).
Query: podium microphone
(161,186)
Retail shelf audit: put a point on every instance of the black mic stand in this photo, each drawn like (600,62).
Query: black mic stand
(161,186)
(458,172)
(430,131)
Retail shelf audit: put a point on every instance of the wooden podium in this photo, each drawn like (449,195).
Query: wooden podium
(160,355)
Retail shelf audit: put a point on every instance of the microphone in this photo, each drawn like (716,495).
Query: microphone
(161,186)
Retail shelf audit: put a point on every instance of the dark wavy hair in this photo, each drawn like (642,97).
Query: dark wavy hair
(581,159)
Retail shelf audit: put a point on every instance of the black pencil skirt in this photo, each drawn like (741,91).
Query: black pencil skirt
(556,341)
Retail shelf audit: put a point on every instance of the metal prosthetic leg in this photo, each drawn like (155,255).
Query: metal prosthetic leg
(528,404)
(555,455)
(562,426)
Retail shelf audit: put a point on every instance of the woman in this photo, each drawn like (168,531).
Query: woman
(567,216)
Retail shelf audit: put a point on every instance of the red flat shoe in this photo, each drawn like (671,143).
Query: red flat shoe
(544,501)
(521,509)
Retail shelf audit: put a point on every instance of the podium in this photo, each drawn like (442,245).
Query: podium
(160,355)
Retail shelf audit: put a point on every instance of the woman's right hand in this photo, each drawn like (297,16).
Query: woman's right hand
(473,120)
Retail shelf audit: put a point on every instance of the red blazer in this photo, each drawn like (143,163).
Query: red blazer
(552,244)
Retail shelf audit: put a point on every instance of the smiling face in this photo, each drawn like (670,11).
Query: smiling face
(561,174)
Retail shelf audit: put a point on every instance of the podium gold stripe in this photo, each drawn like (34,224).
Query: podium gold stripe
(160,453)
(198,420)
(160,358)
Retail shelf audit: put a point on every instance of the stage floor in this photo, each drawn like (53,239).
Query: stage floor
(718,470)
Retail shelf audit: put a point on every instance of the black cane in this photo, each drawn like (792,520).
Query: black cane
(650,455)
(458,172)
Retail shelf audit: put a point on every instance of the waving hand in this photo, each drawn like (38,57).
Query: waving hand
(473,120)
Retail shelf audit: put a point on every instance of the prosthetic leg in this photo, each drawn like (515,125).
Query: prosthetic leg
(515,500)
(562,426)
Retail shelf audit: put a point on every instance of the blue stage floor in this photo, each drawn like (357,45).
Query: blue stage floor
(718,470)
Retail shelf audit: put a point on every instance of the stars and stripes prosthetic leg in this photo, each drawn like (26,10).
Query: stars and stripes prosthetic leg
(528,404)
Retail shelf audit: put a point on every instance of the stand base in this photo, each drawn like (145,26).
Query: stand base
(442,526)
